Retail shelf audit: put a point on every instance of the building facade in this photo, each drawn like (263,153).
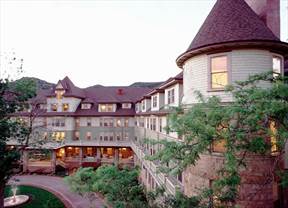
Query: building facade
(109,125)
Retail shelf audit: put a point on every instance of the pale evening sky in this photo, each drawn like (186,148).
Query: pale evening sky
(112,42)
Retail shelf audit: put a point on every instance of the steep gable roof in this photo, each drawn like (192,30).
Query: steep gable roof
(229,21)
(70,89)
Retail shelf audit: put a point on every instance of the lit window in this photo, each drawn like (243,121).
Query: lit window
(106,108)
(219,146)
(154,101)
(54,107)
(219,72)
(273,138)
(171,96)
(276,66)
(118,123)
(58,136)
(59,94)
(65,107)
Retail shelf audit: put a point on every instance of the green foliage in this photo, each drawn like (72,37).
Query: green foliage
(243,125)
(11,100)
(120,187)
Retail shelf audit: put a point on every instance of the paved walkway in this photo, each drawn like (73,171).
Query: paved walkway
(57,186)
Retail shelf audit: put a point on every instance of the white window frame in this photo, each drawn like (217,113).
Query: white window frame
(171,95)
(281,65)
(154,101)
(210,57)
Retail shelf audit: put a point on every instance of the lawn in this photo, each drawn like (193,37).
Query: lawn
(39,198)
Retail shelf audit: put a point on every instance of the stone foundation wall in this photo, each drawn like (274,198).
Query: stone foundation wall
(256,190)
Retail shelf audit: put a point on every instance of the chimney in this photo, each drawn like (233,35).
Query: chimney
(120,91)
(269,12)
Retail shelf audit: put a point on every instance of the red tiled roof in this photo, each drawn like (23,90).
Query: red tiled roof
(229,21)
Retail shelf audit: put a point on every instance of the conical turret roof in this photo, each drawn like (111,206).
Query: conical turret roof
(230,21)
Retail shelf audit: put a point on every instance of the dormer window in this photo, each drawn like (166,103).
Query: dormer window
(171,96)
(277,63)
(54,107)
(154,101)
(126,105)
(65,107)
(59,94)
(106,108)
(86,106)
(143,105)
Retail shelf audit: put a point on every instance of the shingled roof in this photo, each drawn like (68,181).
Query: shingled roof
(95,94)
(230,21)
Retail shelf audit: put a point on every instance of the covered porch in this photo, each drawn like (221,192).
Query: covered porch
(73,157)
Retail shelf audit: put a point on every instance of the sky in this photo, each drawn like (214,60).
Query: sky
(112,42)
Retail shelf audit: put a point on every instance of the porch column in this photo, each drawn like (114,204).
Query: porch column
(25,159)
(98,154)
(80,157)
(116,156)
(53,161)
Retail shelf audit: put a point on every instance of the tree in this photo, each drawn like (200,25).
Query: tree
(120,187)
(12,99)
(255,123)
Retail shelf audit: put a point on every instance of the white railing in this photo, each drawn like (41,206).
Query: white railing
(171,184)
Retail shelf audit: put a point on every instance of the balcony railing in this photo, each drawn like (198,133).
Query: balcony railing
(170,183)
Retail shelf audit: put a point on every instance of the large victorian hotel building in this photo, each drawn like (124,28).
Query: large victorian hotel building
(106,125)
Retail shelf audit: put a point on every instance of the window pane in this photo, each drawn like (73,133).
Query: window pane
(219,64)
(219,146)
(219,80)
(276,65)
